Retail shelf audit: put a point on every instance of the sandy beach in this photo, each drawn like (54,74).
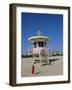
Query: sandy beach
(54,68)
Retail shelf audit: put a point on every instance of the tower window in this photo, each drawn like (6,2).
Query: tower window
(41,44)
(35,44)
(45,43)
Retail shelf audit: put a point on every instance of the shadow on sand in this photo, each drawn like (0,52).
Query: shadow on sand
(50,62)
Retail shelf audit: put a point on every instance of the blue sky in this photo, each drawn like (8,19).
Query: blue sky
(50,25)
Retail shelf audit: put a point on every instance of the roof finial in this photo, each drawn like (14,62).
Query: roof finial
(39,33)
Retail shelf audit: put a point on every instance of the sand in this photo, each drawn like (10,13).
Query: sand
(53,69)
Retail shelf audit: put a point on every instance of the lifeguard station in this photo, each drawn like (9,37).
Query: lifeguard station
(39,48)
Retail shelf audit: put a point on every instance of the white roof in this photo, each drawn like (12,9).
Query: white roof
(38,38)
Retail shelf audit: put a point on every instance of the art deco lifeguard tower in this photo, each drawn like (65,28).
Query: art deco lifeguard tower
(39,47)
